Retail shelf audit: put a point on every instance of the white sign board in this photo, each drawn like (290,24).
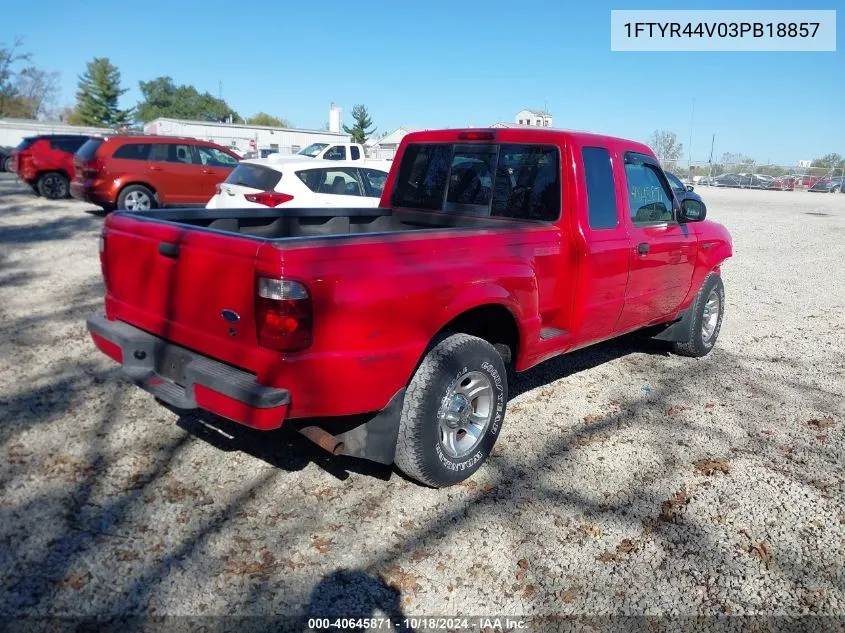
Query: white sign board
(805,163)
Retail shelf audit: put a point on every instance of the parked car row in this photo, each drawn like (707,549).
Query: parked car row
(832,184)
(137,173)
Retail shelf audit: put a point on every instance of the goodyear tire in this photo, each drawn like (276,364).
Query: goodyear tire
(708,309)
(453,411)
(53,185)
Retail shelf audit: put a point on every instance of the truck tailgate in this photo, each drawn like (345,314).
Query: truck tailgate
(193,287)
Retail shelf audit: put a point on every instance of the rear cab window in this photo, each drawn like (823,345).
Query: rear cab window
(254,176)
(516,181)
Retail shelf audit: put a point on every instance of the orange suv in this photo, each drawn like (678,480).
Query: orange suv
(144,172)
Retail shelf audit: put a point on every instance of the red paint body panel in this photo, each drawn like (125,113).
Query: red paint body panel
(41,157)
(379,299)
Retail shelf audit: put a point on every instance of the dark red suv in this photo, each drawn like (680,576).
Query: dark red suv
(45,163)
(143,172)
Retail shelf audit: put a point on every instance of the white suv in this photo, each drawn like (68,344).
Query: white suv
(304,183)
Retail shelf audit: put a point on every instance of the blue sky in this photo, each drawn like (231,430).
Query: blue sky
(448,64)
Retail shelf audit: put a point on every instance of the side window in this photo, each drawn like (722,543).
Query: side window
(471,179)
(214,157)
(421,182)
(355,153)
(339,182)
(601,190)
(527,183)
(648,196)
(375,180)
(179,154)
(159,152)
(132,151)
(336,152)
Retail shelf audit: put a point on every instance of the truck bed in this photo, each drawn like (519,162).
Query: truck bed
(278,224)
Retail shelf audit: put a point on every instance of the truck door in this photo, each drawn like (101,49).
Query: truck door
(663,251)
(606,252)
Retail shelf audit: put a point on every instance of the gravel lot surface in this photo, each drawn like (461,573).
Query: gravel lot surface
(626,480)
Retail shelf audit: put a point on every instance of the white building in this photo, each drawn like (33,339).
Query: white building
(538,118)
(238,137)
(13,131)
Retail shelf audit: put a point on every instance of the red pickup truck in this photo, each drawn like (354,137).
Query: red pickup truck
(492,248)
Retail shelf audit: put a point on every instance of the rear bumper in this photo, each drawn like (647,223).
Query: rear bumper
(88,193)
(187,380)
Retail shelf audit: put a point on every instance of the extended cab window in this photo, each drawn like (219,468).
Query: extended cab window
(337,152)
(132,151)
(648,194)
(601,190)
(355,153)
(527,183)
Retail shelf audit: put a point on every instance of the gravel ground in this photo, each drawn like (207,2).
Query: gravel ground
(626,480)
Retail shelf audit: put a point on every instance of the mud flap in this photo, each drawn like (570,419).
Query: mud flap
(374,439)
(679,330)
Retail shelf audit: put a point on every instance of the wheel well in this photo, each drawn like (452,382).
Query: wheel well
(493,323)
(61,172)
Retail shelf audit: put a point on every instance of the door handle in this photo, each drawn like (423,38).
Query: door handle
(155,168)
(642,248)
(168,249)
(207,171)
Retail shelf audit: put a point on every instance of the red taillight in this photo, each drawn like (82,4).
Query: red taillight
(283,314)
(93,167)
(103,260)
(481,135)
(269,198)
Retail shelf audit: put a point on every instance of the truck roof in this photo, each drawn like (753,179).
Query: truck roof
(523,134)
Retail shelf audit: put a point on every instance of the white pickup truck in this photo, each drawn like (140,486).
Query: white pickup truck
(331,151)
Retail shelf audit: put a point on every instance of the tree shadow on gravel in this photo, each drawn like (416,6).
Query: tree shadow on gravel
(284,448)
(51,230)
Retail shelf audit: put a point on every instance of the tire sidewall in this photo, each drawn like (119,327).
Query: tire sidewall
(121,199)
(714,281)
(63,183)
(476,356)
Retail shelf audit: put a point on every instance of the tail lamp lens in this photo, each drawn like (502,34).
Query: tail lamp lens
(104,260)
(283,314)
(269,198)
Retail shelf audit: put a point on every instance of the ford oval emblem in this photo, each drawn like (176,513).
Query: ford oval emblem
(231,316)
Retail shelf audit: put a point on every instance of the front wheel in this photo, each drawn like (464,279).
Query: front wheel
(453,411)
(53,186)
(708,309)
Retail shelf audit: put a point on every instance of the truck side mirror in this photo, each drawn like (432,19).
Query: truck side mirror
(690,188)
(692,210)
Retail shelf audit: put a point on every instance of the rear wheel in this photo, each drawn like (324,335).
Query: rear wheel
(136,198)
(7,164)
(708,309)
(53,185)
(453,411)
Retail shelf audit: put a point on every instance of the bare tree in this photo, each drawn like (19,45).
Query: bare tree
(38,89)
(665,145)
(10,56)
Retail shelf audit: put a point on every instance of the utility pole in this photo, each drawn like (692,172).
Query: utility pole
(220,89)
(710,169)
(689,149)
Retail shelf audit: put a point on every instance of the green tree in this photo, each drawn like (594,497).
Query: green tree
(163,98)
(829,161)
(665,145)
(98,94)
(267,120)
(359,131)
